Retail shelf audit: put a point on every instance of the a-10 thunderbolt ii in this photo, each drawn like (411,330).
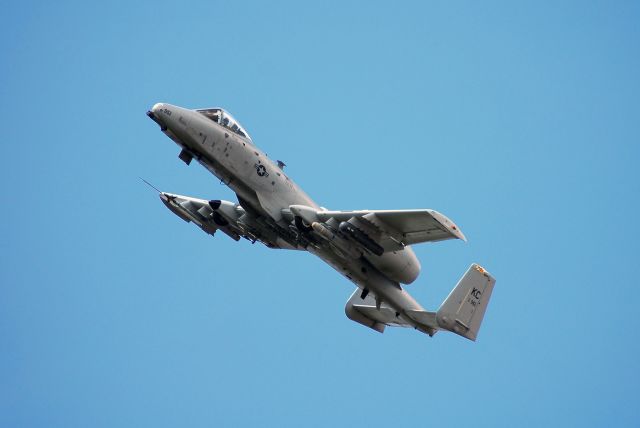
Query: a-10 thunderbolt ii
(371,248)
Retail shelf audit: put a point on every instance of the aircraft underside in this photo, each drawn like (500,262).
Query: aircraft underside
(371,248)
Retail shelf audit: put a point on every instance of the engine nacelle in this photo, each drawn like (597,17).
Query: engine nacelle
(402,266)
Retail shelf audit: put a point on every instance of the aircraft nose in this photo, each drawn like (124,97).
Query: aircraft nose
(156,108)
(156,115)
(155,111)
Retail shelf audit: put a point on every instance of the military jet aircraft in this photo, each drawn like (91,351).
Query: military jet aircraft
(371,248)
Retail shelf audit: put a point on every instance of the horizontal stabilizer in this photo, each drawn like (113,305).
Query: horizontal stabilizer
(461,312)
(366,311)
(427,319)
(384,315)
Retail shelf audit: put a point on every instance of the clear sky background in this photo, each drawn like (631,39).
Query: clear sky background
(520,121)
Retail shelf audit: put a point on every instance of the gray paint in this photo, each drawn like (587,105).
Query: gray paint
(371,248)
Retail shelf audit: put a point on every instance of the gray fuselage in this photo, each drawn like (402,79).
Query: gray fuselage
(269,196)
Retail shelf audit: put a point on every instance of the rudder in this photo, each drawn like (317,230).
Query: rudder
(463,310)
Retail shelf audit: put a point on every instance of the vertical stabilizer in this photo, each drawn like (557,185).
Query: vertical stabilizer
(464,308)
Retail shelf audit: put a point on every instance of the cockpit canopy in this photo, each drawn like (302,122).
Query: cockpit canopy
(225,119)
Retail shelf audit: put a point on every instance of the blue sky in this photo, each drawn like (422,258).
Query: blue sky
(518,120)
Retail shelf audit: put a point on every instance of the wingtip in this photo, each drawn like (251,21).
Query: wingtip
(455,230)
(449,225)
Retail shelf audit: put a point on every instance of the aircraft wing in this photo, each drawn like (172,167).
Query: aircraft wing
(200,213)
(394,229)
(225,216)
